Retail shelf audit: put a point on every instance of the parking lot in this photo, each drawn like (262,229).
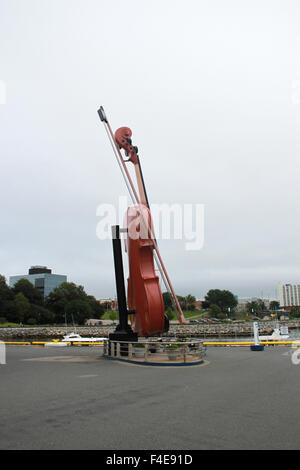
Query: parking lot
(76,399)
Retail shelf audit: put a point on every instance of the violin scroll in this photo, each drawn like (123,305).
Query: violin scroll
(123,140)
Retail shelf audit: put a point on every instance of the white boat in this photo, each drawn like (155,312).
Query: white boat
(76,338)
(73,338)
(278,334)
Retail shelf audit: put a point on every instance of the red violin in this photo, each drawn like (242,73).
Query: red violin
(144,296)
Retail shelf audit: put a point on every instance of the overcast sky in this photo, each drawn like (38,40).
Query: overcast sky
(209,89)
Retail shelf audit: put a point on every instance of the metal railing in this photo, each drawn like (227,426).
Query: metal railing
(155,350)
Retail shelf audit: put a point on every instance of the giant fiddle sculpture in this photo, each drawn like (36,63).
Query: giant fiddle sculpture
(144,296)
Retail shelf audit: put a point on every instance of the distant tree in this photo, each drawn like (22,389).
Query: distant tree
(255,306)
(170,314)
(5,291)
(97,308)
(223,298)
(181,301)
(9,309)
(251,307)
(214,310)
(41,315)
(61,301)
(6,299)
(186,303)
(58,299)
(221,316)
(295,312)
(274,305)
(112,315)
(167,300)
(32,294)
(78,310)
(190,302)
(22,308)
(260,305)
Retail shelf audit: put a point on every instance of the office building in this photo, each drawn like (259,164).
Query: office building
(42,278)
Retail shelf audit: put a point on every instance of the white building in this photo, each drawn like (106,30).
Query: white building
(289,295)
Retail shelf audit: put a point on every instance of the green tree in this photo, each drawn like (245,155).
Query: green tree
(274,305)
(186,303)
(223,298)
(32,294)
(41,315)
(79,310)
(97,308)
(170,314)
(6,300)
(58,299)
(9,311)
(111,315)
(167,300)
(181,301)
(295,312)
(255,306)
(5,290)
(22,307)
(190,302)
(61,301)
(214,311)
(251,307)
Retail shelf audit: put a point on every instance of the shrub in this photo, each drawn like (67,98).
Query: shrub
(110,315)
(170,314)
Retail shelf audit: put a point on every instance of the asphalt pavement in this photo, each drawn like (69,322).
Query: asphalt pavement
(73,398)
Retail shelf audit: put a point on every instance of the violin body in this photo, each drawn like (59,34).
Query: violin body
(144,294)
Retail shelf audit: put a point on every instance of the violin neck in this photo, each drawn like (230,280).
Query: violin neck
(141,184)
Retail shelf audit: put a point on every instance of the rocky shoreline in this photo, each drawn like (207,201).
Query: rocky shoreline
(188,330)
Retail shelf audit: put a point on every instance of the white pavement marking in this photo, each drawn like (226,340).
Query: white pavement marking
(87,376)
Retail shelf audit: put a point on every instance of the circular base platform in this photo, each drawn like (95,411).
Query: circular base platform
(165,352)
(158,364)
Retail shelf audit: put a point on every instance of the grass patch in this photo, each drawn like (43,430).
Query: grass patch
(186,313)
(9,325)
(193,313)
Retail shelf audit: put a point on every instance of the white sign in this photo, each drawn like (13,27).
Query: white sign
(2,353)
(284,330)
(255,331)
